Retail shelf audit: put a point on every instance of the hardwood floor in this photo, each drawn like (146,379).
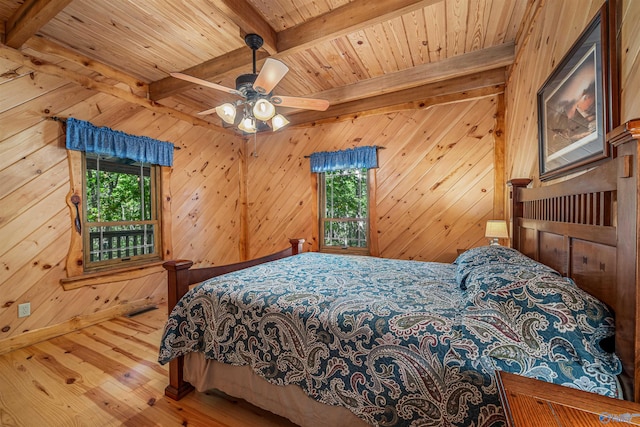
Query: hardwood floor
(107,375)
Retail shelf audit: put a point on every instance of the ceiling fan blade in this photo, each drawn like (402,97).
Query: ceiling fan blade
(272,72)
(205,83)
(205,112)
(304,103)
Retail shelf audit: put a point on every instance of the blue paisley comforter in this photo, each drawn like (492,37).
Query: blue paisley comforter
(400,343)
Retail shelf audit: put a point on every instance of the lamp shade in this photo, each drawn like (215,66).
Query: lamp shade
(227,112)
(248,125)
(263,110)
(496,229)
(278,122)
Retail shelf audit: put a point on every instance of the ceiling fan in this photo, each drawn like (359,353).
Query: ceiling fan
(257,101)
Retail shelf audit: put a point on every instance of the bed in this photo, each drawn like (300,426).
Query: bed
(388,342)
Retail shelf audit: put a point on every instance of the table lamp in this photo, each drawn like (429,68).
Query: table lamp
(496,229)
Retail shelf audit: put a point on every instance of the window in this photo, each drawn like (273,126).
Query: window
(121,212)
(344,210)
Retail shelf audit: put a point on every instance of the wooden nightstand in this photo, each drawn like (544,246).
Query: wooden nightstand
(531,403)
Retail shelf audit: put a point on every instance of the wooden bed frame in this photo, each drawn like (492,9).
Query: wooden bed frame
(585,227)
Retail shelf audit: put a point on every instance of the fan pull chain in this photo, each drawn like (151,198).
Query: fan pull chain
(255,145)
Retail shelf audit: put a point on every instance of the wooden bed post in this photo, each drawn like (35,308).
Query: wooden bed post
(625,140)
(297,246)
(178,275)
(178,278)
(516,209)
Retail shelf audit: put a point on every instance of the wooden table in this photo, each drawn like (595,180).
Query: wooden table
(529,402)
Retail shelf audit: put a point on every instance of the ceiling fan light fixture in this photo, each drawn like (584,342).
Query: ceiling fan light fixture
(227,112)
(264,110)
(248,125)
(255,89)
(279,121)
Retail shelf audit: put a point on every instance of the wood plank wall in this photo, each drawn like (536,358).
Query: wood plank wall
(434,187)
(34,218)
(434,192)
(435,183)
(630,60)
(539,48)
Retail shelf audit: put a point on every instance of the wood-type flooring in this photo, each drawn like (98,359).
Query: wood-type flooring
(108,375)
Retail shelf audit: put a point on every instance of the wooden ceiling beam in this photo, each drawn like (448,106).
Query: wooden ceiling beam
(29,18)
(351,17)
(243,14)
(413,105)
(344,20)
(477,85)
(89,83)
(446,69)
(469,63)
(42,45)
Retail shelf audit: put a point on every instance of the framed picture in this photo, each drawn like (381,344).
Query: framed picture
(572,106)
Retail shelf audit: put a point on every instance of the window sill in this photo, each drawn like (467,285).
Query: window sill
(111,276)
(344,251)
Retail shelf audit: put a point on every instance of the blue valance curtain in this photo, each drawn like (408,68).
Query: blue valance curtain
(352,158)
(83,136)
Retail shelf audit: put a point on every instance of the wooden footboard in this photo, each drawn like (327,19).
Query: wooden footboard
(181,276)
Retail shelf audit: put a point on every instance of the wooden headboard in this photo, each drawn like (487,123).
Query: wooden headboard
(587,229)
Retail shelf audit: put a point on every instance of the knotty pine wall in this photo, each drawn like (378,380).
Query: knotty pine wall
(35,224)
(540,46)
(434,184)
(434,187)
(630,61)
(434,192)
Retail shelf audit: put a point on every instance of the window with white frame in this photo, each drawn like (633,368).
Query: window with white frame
(344,210)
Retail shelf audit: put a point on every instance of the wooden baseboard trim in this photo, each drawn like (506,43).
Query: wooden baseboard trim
(74,324)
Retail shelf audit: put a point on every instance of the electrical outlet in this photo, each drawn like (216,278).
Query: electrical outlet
(24,310)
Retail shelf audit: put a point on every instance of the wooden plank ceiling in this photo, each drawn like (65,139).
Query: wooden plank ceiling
(361,55)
